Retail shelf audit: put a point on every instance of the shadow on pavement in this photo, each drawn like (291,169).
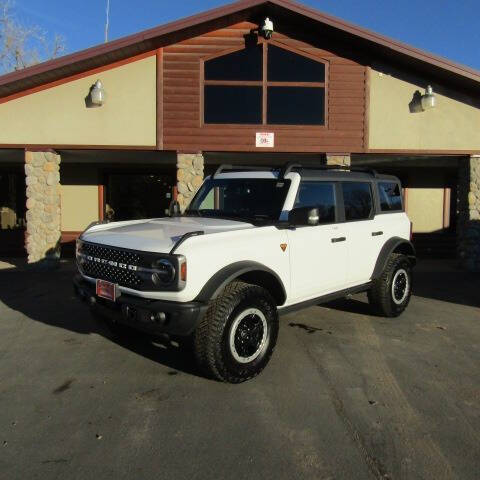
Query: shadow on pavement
(48,297)
(442,280)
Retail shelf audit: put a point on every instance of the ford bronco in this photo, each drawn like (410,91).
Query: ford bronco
(254,243)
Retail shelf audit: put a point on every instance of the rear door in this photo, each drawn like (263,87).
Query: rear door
(361,230)
(318,255)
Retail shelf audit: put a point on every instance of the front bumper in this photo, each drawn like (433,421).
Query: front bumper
(152,316)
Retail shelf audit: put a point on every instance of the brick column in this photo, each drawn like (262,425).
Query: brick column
(341,159)
(189,177)
(43,207)
(468,208)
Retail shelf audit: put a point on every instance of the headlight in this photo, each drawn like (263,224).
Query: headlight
(164,273)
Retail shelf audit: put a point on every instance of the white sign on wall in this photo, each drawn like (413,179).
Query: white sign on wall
(265,139)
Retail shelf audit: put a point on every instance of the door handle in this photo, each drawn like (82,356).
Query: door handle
(338,239)
(376,234)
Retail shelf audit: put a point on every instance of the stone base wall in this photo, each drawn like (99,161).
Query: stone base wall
(42,171)
(468,207)
(189,177)
(338,159)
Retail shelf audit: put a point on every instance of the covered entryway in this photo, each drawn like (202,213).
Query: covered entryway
(430,192)
(12,203)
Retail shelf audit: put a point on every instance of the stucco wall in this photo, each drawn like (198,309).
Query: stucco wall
(58,115)
(79,206)
(451,125)
(425,209)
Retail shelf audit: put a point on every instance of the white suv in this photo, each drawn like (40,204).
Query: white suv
(254,243)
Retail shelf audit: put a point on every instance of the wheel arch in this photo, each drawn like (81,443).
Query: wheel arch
(393,245)
(249,272)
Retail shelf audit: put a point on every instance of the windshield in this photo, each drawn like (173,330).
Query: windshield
(248,199)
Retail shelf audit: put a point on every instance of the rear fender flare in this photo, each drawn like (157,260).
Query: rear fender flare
(393,245)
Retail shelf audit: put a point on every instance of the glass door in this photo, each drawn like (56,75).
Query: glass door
(131,196)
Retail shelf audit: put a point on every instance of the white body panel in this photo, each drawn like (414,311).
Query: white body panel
(310,266)
(317,265)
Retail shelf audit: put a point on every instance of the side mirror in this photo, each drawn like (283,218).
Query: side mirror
(304,216)
(174,209)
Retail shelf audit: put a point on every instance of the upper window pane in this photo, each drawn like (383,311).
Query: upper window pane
(286,66)
(296,106)
(357,198)
(243,64)
(390,196)
(320,195)
(233,104)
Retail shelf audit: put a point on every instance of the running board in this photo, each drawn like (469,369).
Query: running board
(325,298)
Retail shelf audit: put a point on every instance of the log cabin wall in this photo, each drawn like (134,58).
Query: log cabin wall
(183,128)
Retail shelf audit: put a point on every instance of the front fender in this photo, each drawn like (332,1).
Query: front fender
(223,277)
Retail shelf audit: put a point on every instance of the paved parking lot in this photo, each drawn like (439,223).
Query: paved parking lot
(346,395)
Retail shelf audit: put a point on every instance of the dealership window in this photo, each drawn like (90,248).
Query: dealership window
(264,85)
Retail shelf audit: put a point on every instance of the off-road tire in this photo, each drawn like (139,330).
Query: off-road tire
(381,296)
(212,338)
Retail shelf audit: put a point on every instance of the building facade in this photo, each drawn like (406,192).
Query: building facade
(187,96)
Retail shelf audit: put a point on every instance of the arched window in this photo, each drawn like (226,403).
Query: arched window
(264,84)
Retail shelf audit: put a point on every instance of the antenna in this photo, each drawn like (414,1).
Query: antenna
(107,21)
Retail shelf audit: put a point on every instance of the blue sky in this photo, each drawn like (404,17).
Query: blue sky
(446,27)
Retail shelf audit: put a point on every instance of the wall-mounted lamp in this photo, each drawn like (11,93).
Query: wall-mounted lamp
(267,29)
(97,94)
(428,99)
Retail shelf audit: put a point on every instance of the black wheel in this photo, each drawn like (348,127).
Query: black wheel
(390,293)
(235,339)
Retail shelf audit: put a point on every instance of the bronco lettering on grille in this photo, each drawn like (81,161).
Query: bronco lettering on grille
(112,263)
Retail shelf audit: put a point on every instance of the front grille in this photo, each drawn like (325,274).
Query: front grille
(111,264)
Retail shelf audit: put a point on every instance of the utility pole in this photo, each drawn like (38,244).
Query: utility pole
(107,22)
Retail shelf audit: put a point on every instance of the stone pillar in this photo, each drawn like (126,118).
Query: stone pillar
(189,177)
(341,159)
(468,213)
(42,171)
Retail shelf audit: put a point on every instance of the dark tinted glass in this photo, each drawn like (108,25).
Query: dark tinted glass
(390,196)
(286,66)
(243,64)
(318,194)
(296,106)
(357,198)
(233,104)
(251,199)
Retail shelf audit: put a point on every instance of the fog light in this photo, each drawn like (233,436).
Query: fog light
(158,317)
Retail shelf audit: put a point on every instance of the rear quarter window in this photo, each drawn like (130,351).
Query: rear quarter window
(390,196)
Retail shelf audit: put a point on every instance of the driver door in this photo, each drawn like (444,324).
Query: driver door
(318,254)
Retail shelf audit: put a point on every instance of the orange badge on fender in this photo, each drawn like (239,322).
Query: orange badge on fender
(283,246)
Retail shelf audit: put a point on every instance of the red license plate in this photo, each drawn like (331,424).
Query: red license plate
(106,290)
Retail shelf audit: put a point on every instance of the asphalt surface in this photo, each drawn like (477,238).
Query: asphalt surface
(346,395)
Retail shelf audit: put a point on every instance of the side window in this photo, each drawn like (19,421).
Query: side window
(357,198)
(390,196)
(320,195)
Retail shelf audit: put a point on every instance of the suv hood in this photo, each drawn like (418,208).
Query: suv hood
(158,234)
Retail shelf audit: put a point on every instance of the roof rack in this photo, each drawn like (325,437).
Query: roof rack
(290,166)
